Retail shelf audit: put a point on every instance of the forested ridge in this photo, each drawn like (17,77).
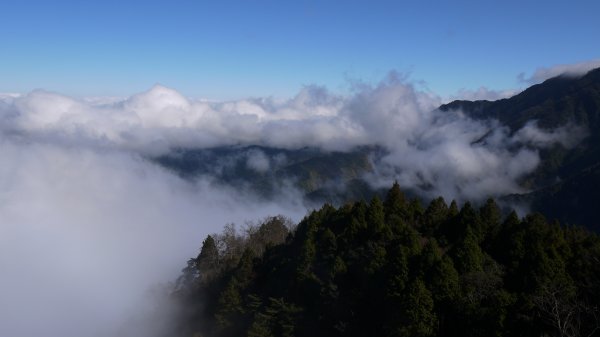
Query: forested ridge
(566,184)
(392,267)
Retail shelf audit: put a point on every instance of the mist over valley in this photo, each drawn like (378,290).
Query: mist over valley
(103,200)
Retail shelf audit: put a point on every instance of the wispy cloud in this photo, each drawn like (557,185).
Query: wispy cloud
(572,69)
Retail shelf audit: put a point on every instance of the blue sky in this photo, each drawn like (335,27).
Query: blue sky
(234,49)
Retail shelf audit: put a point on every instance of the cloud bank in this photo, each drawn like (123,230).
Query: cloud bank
(86,233)
(88,222)
(429,151)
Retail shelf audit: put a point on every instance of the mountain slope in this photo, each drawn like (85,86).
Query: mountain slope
(388,268)
(565,183)
(553,103)
(322,176)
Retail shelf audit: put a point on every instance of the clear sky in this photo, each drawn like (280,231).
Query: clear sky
(234,49)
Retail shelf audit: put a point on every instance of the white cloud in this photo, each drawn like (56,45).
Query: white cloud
(9,95)
(457,158)
(568,135)
(87,223)
(430,151)
(258,161)
(573,69)
(85,233)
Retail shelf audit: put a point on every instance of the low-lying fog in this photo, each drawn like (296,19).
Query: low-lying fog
(88,226)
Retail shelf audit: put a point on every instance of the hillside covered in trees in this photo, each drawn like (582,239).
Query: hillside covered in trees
(394,268)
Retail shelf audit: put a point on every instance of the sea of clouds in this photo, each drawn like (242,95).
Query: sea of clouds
(88,223)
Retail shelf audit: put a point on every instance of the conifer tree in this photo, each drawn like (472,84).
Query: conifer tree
(207,262)
(416,316)
(395,202)
(376,215)
(467,254)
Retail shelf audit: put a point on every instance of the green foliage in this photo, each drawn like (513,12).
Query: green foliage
(207,262)
(434,216)
(491,218)
(391,269)
(395,202)
(278,318)
(414,315)
(376,218)
(466,253)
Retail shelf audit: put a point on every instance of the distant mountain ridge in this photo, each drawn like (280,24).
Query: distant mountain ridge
(553,103)
(321,175)
(575,173)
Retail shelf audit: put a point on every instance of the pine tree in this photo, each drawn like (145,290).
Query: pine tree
(467,255)
(491,217)
(376,216)
(434,216)
(453,209)
(395,202)
(207,262)
(416,317)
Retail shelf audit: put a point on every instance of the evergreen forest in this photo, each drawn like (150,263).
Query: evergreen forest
(392,267)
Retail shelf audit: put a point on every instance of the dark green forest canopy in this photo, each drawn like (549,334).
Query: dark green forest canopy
(394,268)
